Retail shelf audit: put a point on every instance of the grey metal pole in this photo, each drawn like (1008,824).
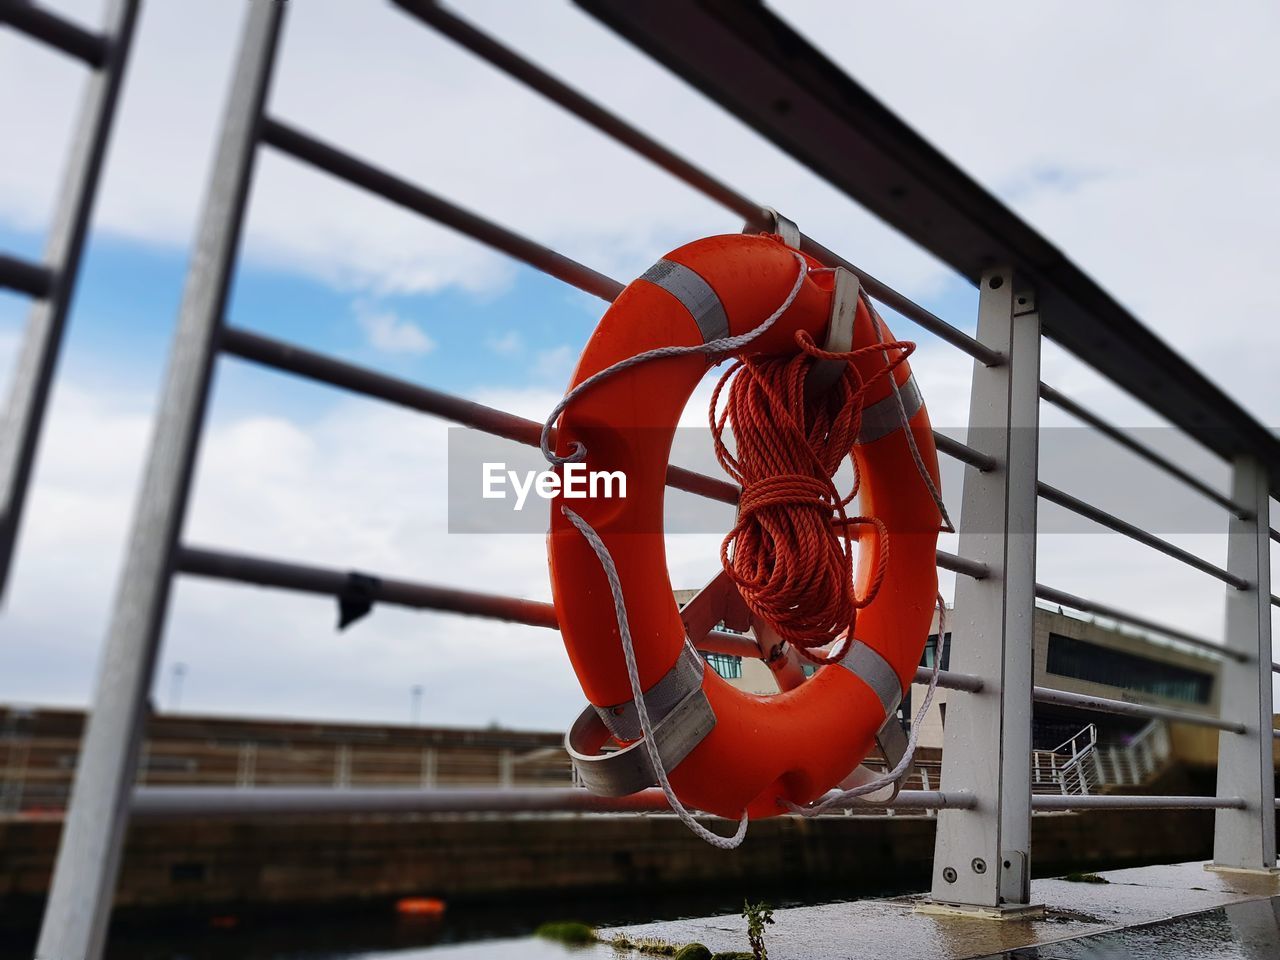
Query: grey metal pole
(190,802)
(1246,839)
(38,355)
(982,856)
(79,906)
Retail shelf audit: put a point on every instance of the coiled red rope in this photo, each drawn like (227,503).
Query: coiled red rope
(792,551)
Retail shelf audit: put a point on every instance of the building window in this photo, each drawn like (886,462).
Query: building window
(931,651)
(727,665)
(1082,660)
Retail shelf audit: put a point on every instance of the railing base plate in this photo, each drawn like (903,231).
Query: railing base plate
(1252,871)
(1009,911)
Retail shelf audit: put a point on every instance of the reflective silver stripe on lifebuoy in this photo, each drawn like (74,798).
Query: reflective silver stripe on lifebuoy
(694,293)
(620,773)
(883,417)
(685,676)
(875,671)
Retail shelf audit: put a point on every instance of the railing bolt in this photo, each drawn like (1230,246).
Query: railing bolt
(949,874)
(979,865)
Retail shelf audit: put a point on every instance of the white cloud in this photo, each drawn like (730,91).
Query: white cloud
(554,363)
(391,333)
(507,344)
(1132,140)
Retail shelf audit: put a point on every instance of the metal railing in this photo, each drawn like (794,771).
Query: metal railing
(985,806)
(1056,770)
(36,771)
(52,283)
(1081,767)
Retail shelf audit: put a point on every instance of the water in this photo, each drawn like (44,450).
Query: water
(500,931)
(1239,931)
(1243,931)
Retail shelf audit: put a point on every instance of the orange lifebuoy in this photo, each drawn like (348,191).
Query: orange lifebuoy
(757,753)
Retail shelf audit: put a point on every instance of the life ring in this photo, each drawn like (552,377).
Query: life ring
(729,751)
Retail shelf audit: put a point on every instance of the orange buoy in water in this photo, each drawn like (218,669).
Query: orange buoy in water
(420,907)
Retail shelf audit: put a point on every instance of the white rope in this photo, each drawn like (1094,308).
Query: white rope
(844,797)
(723,345)
(637,694)
(947,525)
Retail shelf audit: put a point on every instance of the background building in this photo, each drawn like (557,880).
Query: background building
(1072,654)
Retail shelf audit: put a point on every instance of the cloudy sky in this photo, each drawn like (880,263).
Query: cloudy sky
(1139,137)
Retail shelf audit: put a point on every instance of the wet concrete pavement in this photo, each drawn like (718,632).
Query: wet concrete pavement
(1176,911)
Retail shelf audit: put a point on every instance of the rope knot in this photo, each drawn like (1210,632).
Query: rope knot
(787,491)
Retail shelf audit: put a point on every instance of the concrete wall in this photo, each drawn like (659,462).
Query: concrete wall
(193,866)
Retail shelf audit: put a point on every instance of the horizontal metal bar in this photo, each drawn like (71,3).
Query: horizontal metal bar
(304,147)
(1082,701)
(611,125)
(891,298)
(1111,522)
(1089,606)
(307,579)
(1063,402)
(1111,801)
(33,279)
(157,802)
(951,680)
(289,358)
(750,61)
(56,31)
(958,564)
(730,644)
(535,78)
(963,452)
(240,568)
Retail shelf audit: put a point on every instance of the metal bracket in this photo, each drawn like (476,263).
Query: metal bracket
(629,770)
(718,602)
(780,225)
(893,745)
(778,655)
(844,311)
(357,598)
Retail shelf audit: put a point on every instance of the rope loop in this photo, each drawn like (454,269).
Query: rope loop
(792,552)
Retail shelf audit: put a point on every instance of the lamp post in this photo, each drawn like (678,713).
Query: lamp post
(415,704)
(175,686)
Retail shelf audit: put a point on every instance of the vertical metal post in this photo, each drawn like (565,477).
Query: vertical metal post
(342,766)
(246,768)
(79,906)
(42,339)
(1246,839)
(982,857)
